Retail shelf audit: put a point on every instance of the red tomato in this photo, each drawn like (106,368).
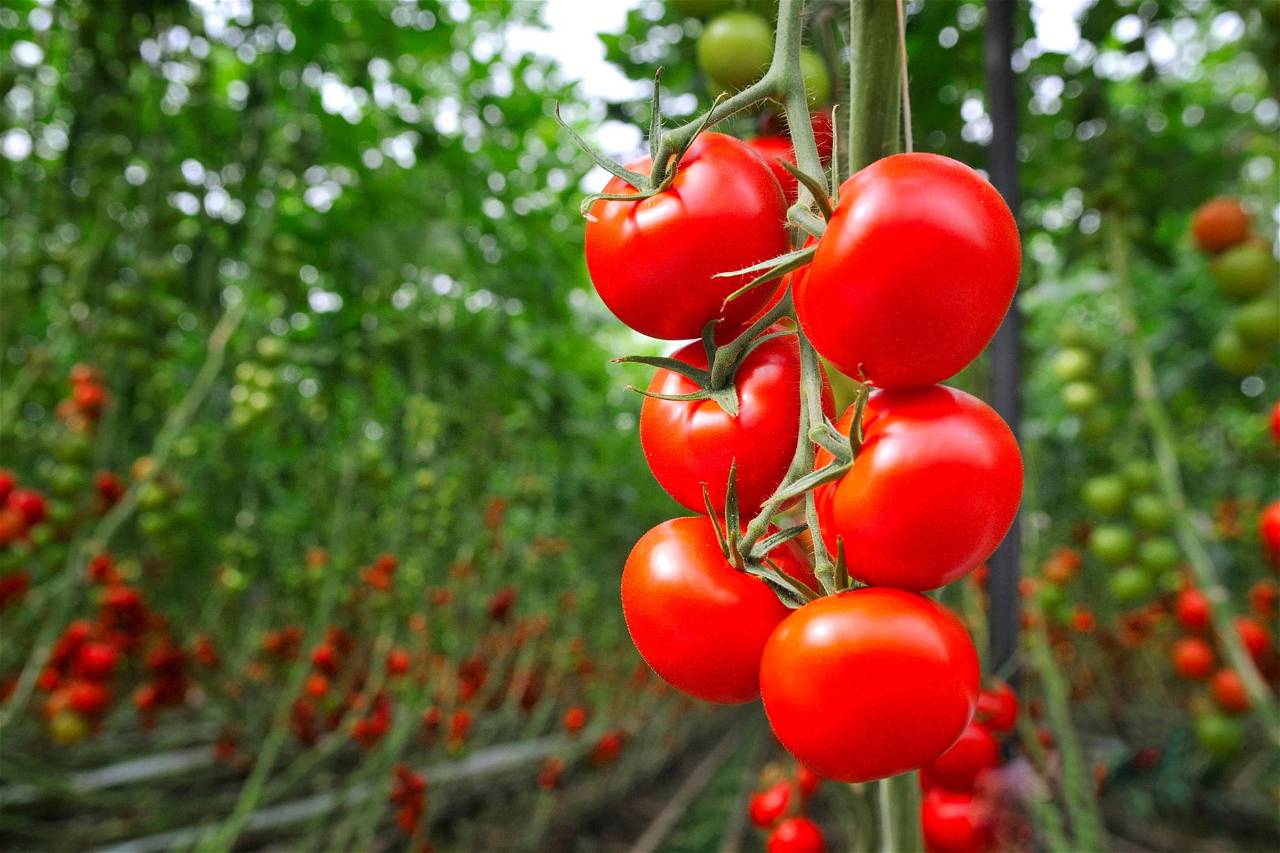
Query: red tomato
(796,835)
(775,124)
(808,781)
(932,491)
(959,767)
(8,482)
(688,443)
(954,822)
(574,719)
(1255,638)
(1275,421)
(88,698)
(1191,609)
(770,805)
(1268,530)
(654,261)
(1262,598)
(96,661)
(1192,658)
(771,149)
(1219,224)
(914,274)
(998,707)
(1228,691)
(831,653)
(28,502)
(697,621)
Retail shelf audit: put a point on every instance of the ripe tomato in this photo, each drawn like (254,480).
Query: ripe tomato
(998,707)
(914,273)
(1269,531)
(697,621)
(1275,421)
(959,767)
(1191,609)
(1192,658)
(869,683)
(956,822)
(734,49)
(689,443)
(1228,691)
(1219,224)
(96,661)
(653,261)
(574,719)
(769,806)
(1255,638)
(796,835)
(775,124)
(807,781)
(1263,596)
(29,503)
(771,149)
(933,459)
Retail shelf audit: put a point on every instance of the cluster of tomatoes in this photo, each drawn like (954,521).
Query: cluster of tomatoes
(959,807)
(254,393)
(778,807)
(1244,269)
(909,281)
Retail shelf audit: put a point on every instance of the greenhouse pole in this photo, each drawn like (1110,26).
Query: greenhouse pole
(1006,348)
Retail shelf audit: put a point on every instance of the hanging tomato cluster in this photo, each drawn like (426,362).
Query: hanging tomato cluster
(778,807)
(862,677)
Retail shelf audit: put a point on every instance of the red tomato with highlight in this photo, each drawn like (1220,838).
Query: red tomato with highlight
(1218,224)
(916,270)
(1193,658)
(654,261)
(689,443)
(869,683)
(1275,421)
(932,492)
(1269,530)
(796,835)
(1255,638)
(1191,609)
(696,620)
(954,822)
(1228,691)
(29,503)
(958,769)
(770,805)
(998,707)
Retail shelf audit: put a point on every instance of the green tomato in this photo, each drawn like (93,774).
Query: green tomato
(817,82)
(1159,555)
(1129,585)
(1220,736)
(1080,396)
(1243,271)
(271,349)
(152,497)
(734,49)
(1113,544)
(152,524)
(1073,334)
(67,480)
(1152,512)
(1072,364)
(1234,355)
(1105,495)
(1140,474)
(1258,323)
(73,447)
(1097,423)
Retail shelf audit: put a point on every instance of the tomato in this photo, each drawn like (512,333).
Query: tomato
(959,767)
(88,698)
(653,261)
(1244,271)
(1129,584)
(998,707)
(1219,224)
(574,719)
(1269,531)
(1228,691)
(955,821)
(1235,356)
(817,80)
(96,661)
(1220,736)
(29,503)
(1140,474)
(772,149)
(9,482)
(1105,495)
(67,727)
(914,273)
(1193,658)
(869,683)
(689,443)
(1159,554)
(1080,397)
(1072,364)
(1257,324)
(796,835)
(933,459)
(1191,609)
(1113,544)
(734,49)
(1275,421)
(770,805)
(1262,598)
(774,124)
(1151,512)
(1255,638)
(807,781)
(697,621)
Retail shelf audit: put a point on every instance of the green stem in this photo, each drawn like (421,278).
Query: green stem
(899,803)
(874,99)
(1160,428)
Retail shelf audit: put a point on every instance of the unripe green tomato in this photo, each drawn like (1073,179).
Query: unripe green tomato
(1158,555)
(1257,324)
(1097,423)
(152,496)
(817,81)
(260,402)
(734,49)
(1170,582)
(1234,356)
(1071,364)
(67,480)
(40,535)
(271,349)
(60,513)
(73,447)
(245,371)
(1129,585)
(153,524)
(1105,495)
(1151,512)
(1052,597)
(264,379)
(1080,397)
(1243,271)
(1219,735)
(67,727)
(122,297)
(1073,334)
(1139,474)
(1112,544)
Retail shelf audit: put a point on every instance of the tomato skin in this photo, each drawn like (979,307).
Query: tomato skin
(826,654)
(654,261)
(916,270)
(1218,224)
(1191,609)
(1275,422)
(770,805)
(734,49)
(774,148)
(1255,638)
(688,443)
(697,621)
(998,707)
(954,821)
(1269,531)
(1193,658)
(958,769)
(928,454)
(796,835)
(1228,691)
